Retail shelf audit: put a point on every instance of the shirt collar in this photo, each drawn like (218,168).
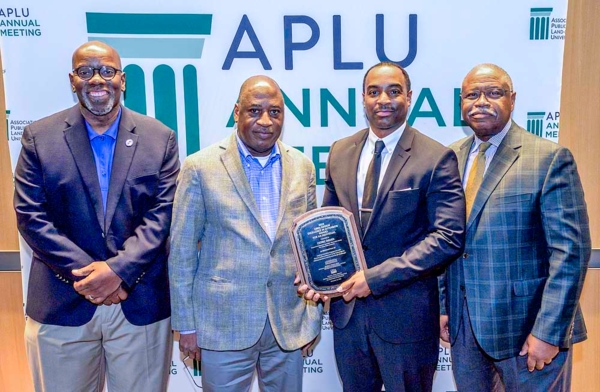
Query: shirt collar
(246,154)
(112,131)
(390,140)
(494,140)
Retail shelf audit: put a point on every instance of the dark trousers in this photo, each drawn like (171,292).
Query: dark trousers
(475,371)
(366,362)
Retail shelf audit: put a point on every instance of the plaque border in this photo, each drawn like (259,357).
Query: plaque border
(353,240)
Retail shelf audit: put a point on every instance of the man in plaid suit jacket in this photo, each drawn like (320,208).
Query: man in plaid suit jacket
(512,299)
(235,298)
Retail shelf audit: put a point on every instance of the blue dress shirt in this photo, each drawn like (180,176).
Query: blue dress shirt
(103,146)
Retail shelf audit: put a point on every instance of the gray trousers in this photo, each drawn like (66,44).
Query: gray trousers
(475,371)
(232,371)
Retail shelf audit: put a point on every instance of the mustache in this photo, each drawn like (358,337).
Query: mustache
(489,111)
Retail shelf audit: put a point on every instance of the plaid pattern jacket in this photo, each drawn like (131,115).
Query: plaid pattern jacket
(226,290)
(526,250)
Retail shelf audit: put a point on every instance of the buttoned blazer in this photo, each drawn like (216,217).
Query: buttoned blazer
(226,289)
(415,230)
(527,248)
(60,214)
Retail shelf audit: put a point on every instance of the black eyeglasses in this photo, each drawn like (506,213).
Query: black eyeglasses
(490,94)
(106,72)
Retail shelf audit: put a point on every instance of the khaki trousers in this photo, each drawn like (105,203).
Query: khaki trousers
(131,358)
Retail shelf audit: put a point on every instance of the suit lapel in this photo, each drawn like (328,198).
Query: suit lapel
(397,161)
(79,144)
(353,158)
(124,151)
(505,156)
(233,164)
(286,181)
(463,155)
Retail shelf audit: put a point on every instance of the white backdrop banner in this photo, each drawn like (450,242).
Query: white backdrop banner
(185,62)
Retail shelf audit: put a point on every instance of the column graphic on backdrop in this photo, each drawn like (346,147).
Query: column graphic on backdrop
(544,124)
(539,23)
(158,36)
(535,123)
(195,373)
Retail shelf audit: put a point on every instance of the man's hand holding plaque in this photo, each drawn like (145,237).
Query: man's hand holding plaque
(328,254)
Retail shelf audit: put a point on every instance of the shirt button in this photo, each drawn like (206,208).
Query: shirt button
(102,138)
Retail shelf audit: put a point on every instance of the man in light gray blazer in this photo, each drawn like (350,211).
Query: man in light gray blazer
(512,299)
(231,265)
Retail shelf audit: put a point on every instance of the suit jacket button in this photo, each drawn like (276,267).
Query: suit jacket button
(272,253)
(269,283)
(465,255)
(462,287)
(365,247)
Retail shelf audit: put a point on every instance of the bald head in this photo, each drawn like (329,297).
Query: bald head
(489,69)
(95,48)
(258,82)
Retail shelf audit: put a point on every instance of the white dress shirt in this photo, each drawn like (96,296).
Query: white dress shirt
(367,155)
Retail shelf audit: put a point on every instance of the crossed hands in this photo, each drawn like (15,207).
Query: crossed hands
(100,286)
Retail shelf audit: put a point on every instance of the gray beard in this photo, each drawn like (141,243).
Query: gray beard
(103,110)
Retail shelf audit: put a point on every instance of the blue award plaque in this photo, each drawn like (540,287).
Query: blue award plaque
(327,248)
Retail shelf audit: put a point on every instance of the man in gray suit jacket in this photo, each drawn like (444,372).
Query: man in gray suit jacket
(232,267)
(512,299)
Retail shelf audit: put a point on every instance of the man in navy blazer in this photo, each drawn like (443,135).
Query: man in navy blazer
(94,187)
(385,324)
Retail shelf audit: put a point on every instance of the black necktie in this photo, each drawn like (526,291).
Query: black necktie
(371,185)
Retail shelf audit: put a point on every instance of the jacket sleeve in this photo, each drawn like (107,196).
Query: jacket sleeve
(53,247)
(189,217)
(566,230)
(330,198)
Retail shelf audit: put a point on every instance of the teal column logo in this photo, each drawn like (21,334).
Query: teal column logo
(539,23)
(535,122)
(129,35)
(7,114)
(197,372)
